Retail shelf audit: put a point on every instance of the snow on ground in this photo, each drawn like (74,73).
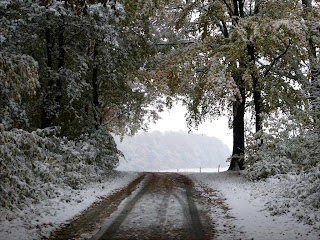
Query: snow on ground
(37,221)
(194,170)
(248,203)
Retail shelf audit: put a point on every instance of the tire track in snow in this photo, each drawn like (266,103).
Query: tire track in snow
(112,229)
(163,209)
(168,219)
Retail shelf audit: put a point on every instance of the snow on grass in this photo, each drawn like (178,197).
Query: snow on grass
(250,205)
(38,221)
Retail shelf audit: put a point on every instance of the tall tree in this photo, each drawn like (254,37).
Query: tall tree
(310,15)
(87,53)
(237,50)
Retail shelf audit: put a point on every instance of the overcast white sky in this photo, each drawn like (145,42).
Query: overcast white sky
(174,120)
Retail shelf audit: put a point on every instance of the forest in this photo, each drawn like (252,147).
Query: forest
(75,73)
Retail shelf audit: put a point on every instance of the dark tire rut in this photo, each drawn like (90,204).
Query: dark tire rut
(154,206)
(171,212)
(92,218)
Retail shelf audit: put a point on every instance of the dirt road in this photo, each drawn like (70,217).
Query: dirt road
(155,206)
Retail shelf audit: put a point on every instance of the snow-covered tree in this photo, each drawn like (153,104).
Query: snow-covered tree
(235,55)
(291,142)
(67,73)
(87,54)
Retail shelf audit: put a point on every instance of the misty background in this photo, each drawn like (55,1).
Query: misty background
(153,151)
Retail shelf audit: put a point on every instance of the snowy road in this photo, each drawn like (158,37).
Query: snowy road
(164,207)
(215,206)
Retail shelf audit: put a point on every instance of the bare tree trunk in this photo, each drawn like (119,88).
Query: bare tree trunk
(61,58)
(314,88)
(45,120)
(257,6)
(307,3)
(49,47)
(95,93)
(238,138)
(61,48)
(54,88)
(257,98)
(238,150)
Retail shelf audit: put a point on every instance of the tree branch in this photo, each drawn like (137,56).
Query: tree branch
(174,43)
(277,58)
(228,6)
(225,29)
(73,36)
(236,8)
(241,10)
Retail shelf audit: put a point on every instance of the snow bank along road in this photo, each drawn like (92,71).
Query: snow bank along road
(154,206)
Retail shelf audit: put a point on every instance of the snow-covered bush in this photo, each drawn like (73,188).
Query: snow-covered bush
(297,195)
(290,154)
(18,77)
(288,146)
(34,163)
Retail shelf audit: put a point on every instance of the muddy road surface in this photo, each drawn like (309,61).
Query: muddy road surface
(155,206)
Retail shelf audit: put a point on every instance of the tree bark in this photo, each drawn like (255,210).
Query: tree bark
(237,160)
(45,120)
(257,104)
(54,86)
(61,58)
(61,49)
(238,150)
(49,47)
(95,93)
(307,3)
(241,8)
(235,8)
(257,98)
(256,6)
(314,88)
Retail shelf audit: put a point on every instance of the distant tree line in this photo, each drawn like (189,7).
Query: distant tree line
(171,150)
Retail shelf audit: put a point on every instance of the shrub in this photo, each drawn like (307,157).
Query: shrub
(34,163)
